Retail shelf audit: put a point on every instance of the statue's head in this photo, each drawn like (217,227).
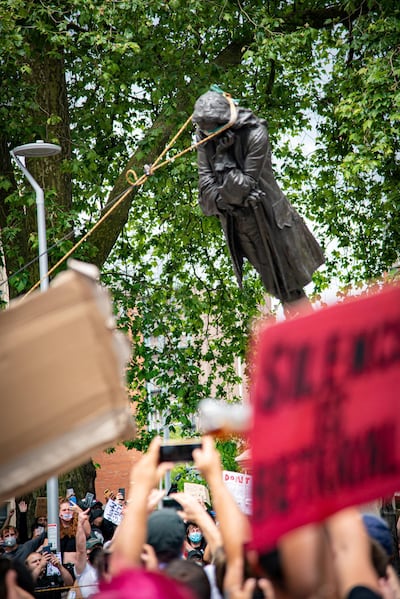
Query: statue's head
(211,110)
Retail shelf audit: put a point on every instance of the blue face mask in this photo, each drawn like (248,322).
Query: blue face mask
(10,541)
(195,537)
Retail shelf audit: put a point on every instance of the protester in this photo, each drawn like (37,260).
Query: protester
(166,534)
(128,580)
(96,520)
(15,550)
(231,554)
(195,514)
(194,538)
(382,550)
(39,525)
(48,586)
(120,498)
(378,529)
(68,518)
(190,574)
(41,521)
(89,561)
(15,580)
(21,521)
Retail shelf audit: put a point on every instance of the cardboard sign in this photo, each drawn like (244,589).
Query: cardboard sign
(62,379)
(240,486)
(326,429)
(198,491)
(41,507)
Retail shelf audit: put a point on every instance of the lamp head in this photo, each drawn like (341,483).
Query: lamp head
(39,149)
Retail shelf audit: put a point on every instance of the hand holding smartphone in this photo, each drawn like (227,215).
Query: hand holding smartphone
(170,503)
(179,452)
(88,499)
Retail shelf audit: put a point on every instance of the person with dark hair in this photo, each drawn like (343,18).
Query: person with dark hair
(96,519)
(237,185)
(101,528)
(194,538)
(166,534)
(48,586)
(39,525)
(196,556)
(15,580)
(198,522)
(190,574)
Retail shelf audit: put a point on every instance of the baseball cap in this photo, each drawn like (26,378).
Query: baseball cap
(166,532)
(379,530)
(92,542)
(95,514)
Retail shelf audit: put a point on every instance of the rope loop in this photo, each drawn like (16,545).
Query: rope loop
(149,169)
(128,175)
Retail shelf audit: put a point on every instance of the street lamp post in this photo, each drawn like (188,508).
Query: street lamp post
(41,149)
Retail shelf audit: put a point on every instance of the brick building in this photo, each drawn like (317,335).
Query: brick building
(114,468)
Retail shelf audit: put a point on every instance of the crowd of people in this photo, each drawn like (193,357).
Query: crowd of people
(193,552)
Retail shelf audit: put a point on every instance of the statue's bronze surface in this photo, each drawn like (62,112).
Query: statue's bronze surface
(237,184)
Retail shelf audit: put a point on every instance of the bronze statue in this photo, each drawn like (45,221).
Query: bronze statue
(237,184)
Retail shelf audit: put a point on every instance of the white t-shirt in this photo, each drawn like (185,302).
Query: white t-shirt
(88,581)
(209,569)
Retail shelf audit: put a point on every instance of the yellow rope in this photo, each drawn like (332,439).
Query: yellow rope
(72,250)
(64,588)
(140,180)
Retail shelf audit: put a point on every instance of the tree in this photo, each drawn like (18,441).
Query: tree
(112,82)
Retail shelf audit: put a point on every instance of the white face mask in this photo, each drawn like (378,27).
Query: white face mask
(10,541)
(67,516)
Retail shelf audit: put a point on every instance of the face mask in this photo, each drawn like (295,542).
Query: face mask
(10,542)
(67,516)
(195,537)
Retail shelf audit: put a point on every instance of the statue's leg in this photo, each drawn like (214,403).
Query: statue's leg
(296,304)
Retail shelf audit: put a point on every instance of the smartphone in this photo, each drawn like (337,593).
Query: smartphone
(122,491)
(168,502)
(179,452)
(46,549)
(88,499)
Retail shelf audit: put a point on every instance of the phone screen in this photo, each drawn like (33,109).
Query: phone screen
(168,502)
(89,499)
(178,453)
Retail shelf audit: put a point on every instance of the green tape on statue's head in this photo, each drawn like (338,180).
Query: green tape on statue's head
(216,88)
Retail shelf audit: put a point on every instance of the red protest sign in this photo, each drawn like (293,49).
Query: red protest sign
(326,432)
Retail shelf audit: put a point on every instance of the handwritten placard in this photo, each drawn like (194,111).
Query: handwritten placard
(240,487)
(113,512)
(326,431)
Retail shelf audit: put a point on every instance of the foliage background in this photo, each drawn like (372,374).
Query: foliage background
(112,81)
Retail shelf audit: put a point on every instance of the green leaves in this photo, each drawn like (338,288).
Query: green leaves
(114,82)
